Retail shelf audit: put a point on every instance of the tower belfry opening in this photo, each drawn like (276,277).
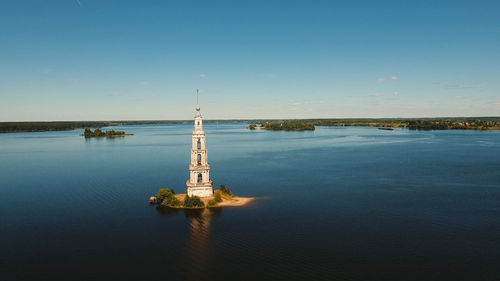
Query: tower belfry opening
(199,183)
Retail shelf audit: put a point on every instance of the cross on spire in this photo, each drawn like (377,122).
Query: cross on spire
(197,100)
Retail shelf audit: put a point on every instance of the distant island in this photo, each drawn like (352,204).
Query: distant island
(294,125)
(98,133)
(223,196)
(463,123)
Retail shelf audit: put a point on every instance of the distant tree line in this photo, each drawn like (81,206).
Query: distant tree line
(485,123)
(470,124)
(12,127)
(474,123)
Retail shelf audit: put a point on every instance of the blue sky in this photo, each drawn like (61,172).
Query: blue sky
(117,60)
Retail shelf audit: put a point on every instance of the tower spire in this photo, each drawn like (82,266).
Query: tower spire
(197,100)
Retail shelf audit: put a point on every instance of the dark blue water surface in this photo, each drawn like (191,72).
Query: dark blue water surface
(333,204)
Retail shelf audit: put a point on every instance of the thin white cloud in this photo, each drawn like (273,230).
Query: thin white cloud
(376,95)
(462,86)
(497,102)
(145,83)
(203,75)
(201,91)
(322,102)
(383,80)
(397,94)
(462,97)
(115,95)
(271,76)
(78,3)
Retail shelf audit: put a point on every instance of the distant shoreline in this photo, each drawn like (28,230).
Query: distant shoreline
(388,124)
(486,123)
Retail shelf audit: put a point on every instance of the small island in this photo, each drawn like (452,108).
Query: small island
(98,133)
(200,192)
(223,196)
(290,125)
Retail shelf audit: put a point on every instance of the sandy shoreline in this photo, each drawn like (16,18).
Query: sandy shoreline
(234,201)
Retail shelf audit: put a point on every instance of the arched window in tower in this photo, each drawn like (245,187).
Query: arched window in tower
(200,177)
(199,159)
(198,144)
(198,123)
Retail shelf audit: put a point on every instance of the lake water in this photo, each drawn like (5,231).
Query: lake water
(333,204)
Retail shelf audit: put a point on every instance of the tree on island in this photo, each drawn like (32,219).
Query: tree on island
(226,190)
(166,197)
(193,202)
(164,193)
(217,199)
(97,133)
(217,196)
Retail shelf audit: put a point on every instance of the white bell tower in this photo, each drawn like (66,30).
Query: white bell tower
(199,183)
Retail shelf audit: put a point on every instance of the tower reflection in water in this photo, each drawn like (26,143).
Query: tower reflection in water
(198,261)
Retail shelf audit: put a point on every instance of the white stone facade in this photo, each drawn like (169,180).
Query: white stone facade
(199,183)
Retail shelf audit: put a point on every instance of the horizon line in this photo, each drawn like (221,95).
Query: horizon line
(254,119)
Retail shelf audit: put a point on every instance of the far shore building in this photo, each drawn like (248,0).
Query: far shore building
(199,183)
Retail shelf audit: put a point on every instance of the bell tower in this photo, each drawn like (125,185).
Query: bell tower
(199,183)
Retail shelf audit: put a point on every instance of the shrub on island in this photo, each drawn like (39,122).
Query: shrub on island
(226,190)
(217,196)
(193,202)
(171,201)
(164,193)
(166,197)
(217,199)
(212,203)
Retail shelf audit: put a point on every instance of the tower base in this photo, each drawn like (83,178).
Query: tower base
(200,190)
